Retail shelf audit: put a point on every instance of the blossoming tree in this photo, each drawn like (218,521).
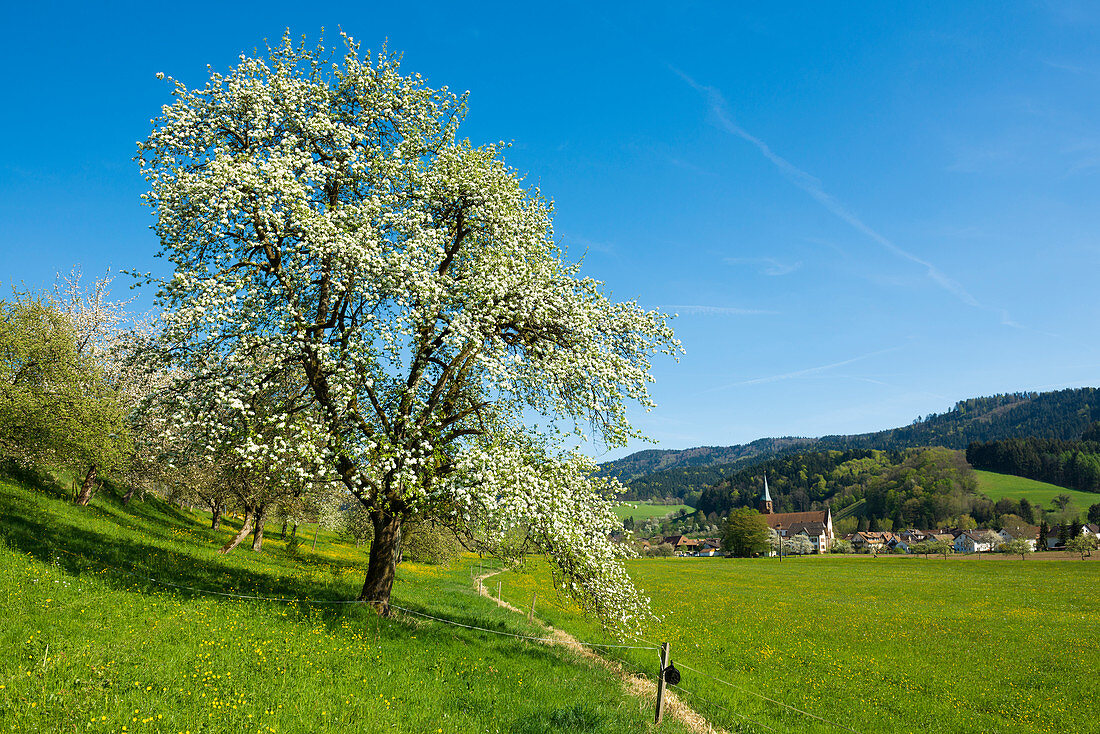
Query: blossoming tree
(326,222)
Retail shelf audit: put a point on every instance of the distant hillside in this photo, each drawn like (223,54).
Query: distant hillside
(1065,414)
(652,461)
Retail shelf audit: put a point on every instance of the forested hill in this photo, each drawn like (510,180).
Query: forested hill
(653,461)
(1064,414)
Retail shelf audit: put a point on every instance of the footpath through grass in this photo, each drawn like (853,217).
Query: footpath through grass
(874,644)
(91,649)
(1000,486)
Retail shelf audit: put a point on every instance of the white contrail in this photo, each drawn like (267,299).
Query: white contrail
(801,373)
(812,186)
(721,310)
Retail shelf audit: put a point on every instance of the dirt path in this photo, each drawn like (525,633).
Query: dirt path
(642,688)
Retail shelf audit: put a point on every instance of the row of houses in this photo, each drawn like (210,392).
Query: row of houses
(965,541)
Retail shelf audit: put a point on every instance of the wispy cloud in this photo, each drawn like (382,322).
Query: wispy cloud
(719,310)
(771,266)
(813,187)
(808,372)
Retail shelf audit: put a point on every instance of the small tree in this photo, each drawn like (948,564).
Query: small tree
(943,547)
(745,533)
(774,541)
(842,546)
(664,550)
(800,545)
(1018,546)
(430,543)
(357,525)
(59,403)
(1083,544)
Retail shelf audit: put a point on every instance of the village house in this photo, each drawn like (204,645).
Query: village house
(977,541)
(817,525)
(1030,533)
(871,540)
(710,547)
(911,536)
(682,544)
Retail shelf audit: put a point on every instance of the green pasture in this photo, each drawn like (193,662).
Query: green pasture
(91,645)
(999,486)
(873,644)
(642,510)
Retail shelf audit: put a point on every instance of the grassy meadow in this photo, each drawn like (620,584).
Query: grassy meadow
(897,644)
(91,647)
(998,486)
(642,510)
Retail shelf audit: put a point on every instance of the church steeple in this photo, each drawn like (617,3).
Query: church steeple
(765,505)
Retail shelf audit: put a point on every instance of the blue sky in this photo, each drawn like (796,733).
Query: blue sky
(861,215)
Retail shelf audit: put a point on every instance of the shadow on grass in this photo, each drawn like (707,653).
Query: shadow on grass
(125,545)
(107,536)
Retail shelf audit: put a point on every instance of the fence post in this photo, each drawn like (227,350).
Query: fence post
(661,683)
(531,614)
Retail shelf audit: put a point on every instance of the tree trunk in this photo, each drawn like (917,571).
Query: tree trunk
(246,528)
(215,516)
(87,489)
(282,535)
(128,496)
(382,565)
(294,531)
(258,531)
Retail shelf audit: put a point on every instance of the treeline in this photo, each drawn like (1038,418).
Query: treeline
(880,489)
(1064,414)
(1073,464)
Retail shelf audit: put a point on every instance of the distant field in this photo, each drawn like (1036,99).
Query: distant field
(997,486)
(876,645)
(641,510)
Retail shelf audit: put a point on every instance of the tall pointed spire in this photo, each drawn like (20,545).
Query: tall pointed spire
(765,505)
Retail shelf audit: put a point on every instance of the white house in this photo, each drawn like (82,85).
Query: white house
(977,541)
(1030,533)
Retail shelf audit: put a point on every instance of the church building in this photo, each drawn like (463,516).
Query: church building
(817,525)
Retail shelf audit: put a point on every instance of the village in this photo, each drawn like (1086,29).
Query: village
(808,533)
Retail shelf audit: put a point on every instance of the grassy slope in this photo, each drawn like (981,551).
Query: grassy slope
(887,644)
(92,649)
(641,510)
(997,486)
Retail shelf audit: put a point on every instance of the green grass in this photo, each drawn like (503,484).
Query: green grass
(888,644)
(90,648)
(999,486)
(642,510)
